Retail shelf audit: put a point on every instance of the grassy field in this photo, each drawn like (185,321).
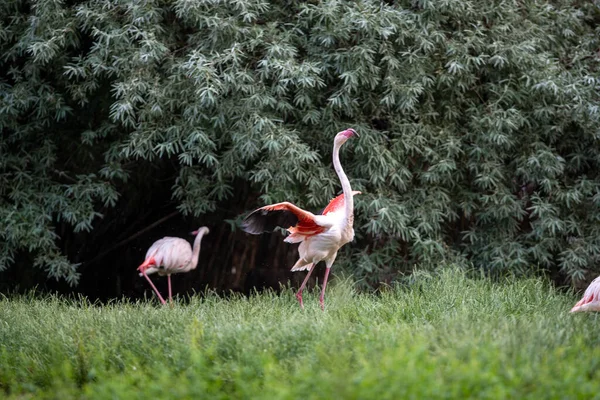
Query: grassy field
(446,336)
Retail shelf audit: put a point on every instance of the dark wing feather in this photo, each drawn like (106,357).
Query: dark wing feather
(262,220)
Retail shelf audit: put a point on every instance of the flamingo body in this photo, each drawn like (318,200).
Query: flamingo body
(320,235)
(323,245)
(171,255)
(591,298)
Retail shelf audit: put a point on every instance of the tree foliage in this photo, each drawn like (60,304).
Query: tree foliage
(478,121)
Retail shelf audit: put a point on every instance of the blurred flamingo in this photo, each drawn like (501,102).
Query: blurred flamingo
(171,255)
(320,236)
(591,298)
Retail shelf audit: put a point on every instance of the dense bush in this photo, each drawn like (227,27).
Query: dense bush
(479,121)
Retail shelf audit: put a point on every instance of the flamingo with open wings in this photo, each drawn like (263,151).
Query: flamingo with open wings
(320,236)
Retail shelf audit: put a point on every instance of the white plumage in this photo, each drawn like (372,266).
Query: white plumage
(320,236)
(171,255)
(591,298)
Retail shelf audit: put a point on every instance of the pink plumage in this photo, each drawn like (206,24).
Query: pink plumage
(171,255)
(337,203)
(591,298)
(320,236)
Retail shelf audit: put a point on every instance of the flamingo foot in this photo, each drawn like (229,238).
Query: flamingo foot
(322,302)
(299,297)
(299,294)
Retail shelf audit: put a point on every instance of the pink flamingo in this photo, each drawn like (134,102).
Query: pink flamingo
(591,298)
(320,236)
(171,255)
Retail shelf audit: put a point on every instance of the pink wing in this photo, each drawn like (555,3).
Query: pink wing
(338,203)
(299,223)
(285,215)
(591,298)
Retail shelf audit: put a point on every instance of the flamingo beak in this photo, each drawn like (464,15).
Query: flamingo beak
(194,233)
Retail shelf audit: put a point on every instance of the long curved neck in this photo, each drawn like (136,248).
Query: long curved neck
(348,198)
(196,249)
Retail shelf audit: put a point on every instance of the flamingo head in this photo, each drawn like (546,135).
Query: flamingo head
(148,262)
(203,230)
(342,136)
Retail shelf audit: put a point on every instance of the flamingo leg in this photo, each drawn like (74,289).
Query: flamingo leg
(328,264)
(154,287)
(170,297)
(299,293)
(322,297)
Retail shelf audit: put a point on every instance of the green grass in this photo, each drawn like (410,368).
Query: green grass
(446,336)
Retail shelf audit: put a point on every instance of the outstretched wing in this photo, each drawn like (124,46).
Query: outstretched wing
(285,215)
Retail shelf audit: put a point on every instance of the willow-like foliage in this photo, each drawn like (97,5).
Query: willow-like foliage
(479,121)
